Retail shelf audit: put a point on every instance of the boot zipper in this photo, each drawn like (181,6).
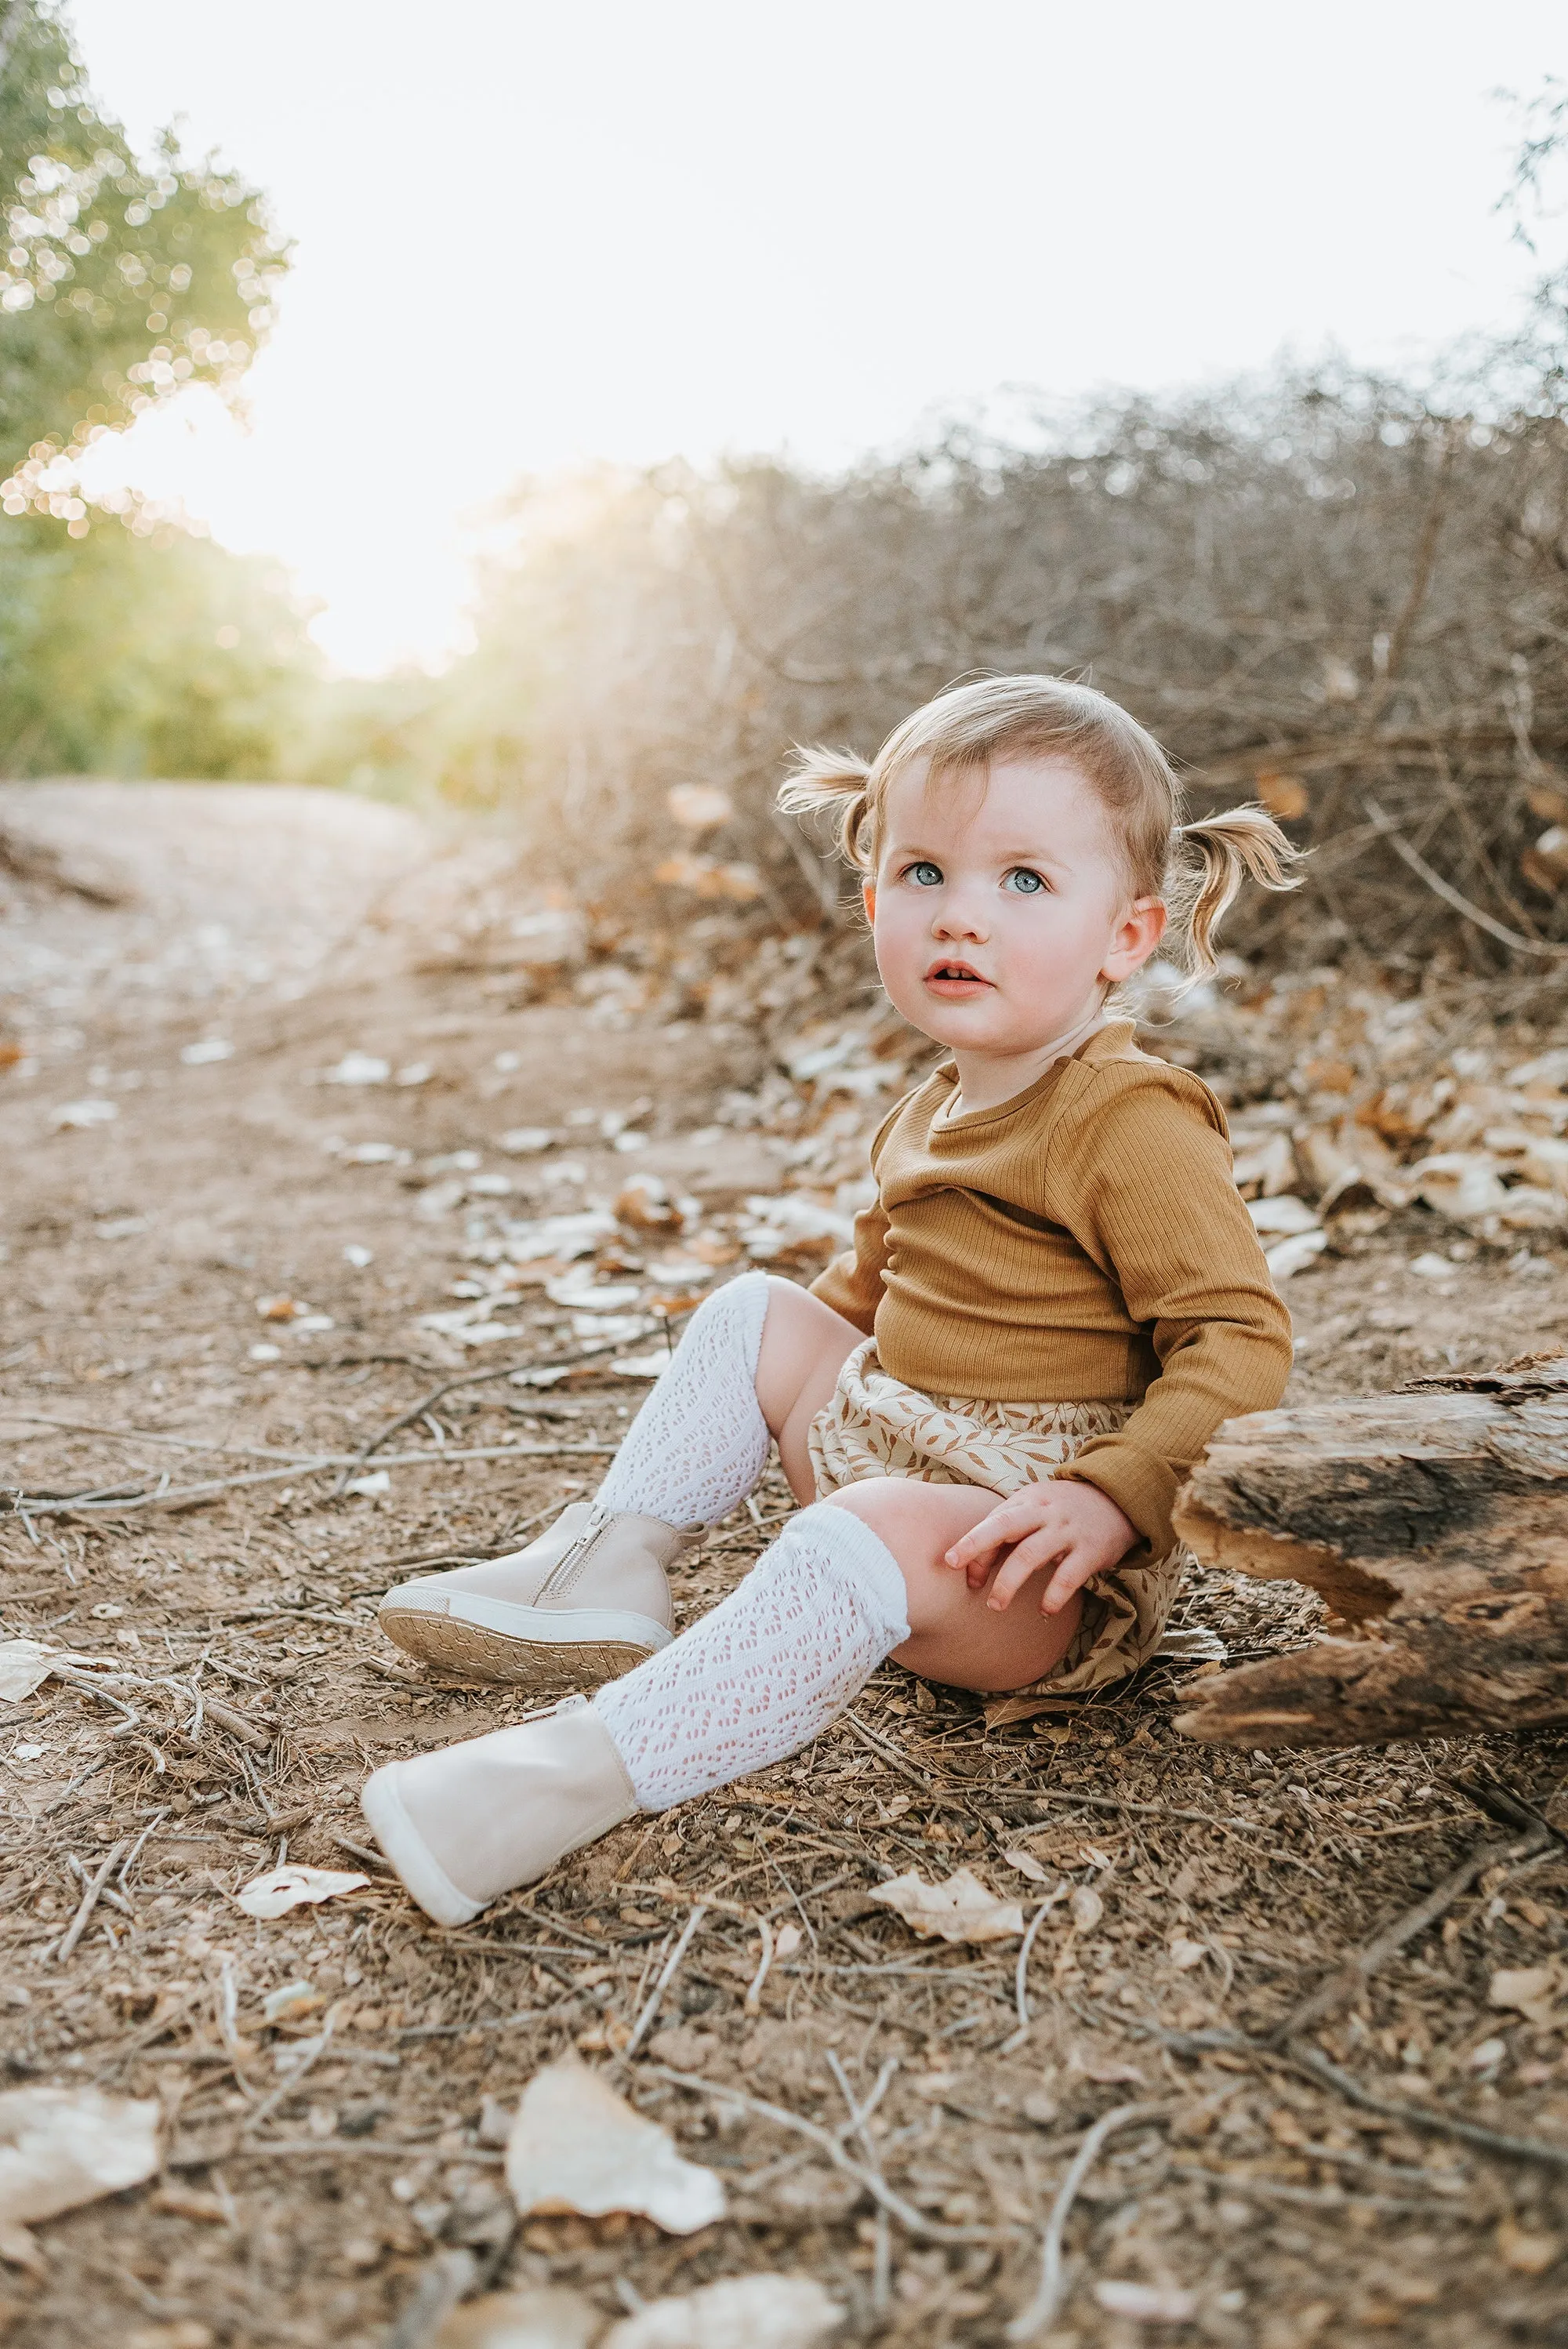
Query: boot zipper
(572,1565)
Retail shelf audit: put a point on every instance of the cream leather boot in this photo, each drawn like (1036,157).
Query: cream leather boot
(581,1605)
(467,1823)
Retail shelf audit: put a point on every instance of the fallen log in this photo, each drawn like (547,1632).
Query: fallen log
(1434,1522)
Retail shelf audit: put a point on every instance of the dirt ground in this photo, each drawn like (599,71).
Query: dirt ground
(313,2187)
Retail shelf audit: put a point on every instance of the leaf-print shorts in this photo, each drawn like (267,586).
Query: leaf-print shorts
(876,1427)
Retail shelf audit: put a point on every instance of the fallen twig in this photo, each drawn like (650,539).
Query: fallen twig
(1452,896)
(651,2007)
(285,2087)
(918,2224)
(1164,1811)
(1311,2060)
(889,1753)
(1307,2198)
(1034,2318)
(1021,1975)
(78,1924)
(259,1741)
(753,2001)
(859,2115)
(1345,1979)
(1317,2066)
(177,1496)
(473,1379)
(134,1854)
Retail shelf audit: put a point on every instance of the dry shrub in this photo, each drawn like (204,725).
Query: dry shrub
(1333,593)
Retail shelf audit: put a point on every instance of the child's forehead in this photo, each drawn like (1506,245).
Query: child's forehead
(1025,797)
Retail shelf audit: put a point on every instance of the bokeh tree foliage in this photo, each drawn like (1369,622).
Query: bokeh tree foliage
(122,280)
(128,644)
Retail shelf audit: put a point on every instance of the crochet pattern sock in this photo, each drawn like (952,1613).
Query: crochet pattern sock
(774,1665)
(700,1442)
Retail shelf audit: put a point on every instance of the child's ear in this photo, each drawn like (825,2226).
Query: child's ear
(1135,939)
(869,900)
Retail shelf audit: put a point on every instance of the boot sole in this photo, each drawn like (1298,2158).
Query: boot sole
(471,1651)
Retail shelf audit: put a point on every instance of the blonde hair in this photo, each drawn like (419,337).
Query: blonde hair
(1195,868)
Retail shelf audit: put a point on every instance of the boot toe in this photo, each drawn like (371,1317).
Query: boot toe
(424,1877)
(498,1812)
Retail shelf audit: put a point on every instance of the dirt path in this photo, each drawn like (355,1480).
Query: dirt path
(379,1220)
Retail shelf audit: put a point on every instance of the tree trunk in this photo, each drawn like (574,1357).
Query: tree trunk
(1434,1522)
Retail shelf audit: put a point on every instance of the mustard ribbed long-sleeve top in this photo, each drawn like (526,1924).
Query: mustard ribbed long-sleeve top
(1084,1242)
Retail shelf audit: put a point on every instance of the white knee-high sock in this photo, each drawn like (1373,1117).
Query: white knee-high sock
(774,1665)
(699,1444)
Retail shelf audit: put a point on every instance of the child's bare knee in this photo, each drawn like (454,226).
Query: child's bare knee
(916,1521)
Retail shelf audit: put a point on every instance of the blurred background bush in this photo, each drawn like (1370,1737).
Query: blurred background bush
(1343,593)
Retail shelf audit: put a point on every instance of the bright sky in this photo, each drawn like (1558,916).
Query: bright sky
(531,234)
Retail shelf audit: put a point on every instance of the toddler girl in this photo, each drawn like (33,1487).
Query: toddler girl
(987,1406)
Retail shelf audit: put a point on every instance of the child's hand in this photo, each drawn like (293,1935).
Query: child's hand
(1073,1527)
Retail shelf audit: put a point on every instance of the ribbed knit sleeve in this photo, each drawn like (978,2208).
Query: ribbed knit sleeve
(852,1284)
(1142,1166)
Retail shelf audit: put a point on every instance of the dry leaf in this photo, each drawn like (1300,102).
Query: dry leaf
(1028,1864)
(646,1204)
(194,2203)
(1105,2071)
(294,1998)
(1146,2303)
(1001,1710)
(1534,1992)
(709,879)
(1095,1856)
(754,2312)
(25,1665)
(1284,1215)
(549,2317)
(1292,1256)
(1185,1954)
(961,1909)
(576,2145)
(699,806)
(1528,2253)
(1086,1907)
(1285,796)
(79,1115)
(359,1069)
(60,2148)
(282,1889)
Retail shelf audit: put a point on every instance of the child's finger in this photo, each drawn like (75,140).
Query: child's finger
(1009,1522)
(1072,1572)
(982,1541)
(1028,1558)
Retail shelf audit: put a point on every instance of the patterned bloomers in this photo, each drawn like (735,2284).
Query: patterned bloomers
(876,1427)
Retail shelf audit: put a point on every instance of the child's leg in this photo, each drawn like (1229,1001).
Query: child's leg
(849,1582)
(954,1636)
(774,1664)
(589,1598)
(805,1345)
(788,1651)
(759,1359)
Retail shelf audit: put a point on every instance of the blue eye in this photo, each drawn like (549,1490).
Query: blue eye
(1026,883)
(925,876)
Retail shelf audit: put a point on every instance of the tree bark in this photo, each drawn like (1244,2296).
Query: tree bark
(1434,1522)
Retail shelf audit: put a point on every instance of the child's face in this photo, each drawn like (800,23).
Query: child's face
(999,910)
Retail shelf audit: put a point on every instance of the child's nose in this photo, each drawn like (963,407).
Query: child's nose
(958,915)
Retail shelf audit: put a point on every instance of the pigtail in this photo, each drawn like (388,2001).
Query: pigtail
(838,780)
(1243,843)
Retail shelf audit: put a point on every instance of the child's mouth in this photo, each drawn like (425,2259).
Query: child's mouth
(955,980)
